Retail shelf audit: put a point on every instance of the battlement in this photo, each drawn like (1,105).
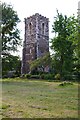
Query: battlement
(36,15)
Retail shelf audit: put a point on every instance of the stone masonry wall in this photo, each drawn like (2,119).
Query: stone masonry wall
(36,42)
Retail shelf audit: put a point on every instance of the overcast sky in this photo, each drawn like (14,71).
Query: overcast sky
(26,8)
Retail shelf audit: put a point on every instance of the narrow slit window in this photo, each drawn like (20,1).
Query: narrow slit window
(42,28)
(30,27)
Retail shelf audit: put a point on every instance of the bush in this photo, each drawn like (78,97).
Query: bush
(57,76)
(47,76)
(42,76)
(11,74)
(70,77)
(27,75)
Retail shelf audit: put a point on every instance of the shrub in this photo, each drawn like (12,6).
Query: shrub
(28,76)
(47,76)
(70,77)
(42,76)
(57,76)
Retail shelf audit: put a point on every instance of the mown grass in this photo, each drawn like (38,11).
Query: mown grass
(24,98)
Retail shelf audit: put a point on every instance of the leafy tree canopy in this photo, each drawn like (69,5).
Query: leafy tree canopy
(40,62)
(10,33)
(64,42)
(10,39)
(11,63)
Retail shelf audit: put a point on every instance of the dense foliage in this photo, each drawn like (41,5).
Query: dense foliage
(64,44)
(10,39)
(41,62)
(10,33)
(11,66)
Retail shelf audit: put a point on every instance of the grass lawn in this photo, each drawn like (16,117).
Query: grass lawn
(22,98)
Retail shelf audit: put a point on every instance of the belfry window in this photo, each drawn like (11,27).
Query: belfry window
(42,28)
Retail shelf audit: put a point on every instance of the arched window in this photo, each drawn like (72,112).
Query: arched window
(42,28)
(30,27)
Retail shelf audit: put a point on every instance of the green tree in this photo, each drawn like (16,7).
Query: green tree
(75,37)
(10,38)
(11,63)
(62,45)
(41,62)
(10,33)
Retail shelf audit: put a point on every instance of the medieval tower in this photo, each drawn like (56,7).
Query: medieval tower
(36,40)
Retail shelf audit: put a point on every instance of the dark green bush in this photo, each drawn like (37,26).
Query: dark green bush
(28,75)
(68,77)
(42,76)
(47,76)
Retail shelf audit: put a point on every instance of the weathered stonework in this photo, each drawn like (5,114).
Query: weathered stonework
(36,42)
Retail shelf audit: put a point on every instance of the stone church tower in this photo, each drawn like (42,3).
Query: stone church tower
(36,41)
